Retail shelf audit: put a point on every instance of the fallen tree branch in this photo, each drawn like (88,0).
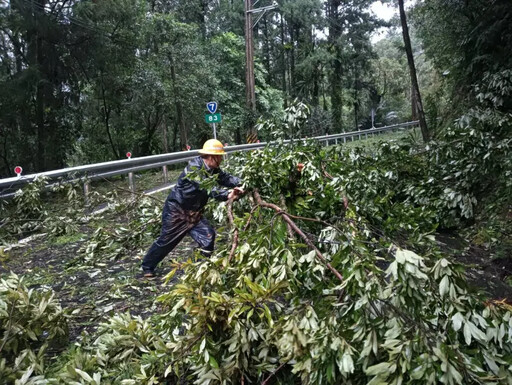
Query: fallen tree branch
(234,244)
(288,227)
(141,195)
(295,228)
(326,174)
(314,220)
(250,218)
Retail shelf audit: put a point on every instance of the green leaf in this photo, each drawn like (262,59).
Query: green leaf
(213,363)
(384,368)
(84,375)
(444,286)
(457,320)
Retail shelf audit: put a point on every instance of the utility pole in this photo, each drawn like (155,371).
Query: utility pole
(250,88)
(250,93)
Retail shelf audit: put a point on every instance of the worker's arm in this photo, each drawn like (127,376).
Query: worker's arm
(227,180)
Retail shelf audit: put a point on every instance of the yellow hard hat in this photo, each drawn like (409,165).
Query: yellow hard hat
(212,147)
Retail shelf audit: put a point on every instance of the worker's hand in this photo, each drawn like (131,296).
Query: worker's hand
(235,193)
(300,167)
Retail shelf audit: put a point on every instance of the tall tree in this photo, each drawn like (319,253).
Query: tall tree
(350,24)
(416,96)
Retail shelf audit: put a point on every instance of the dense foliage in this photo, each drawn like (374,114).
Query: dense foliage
(358,292)
(86,81)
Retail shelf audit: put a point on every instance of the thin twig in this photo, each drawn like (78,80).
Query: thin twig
(314,220)
(273,373)
(133,192)
(250,217)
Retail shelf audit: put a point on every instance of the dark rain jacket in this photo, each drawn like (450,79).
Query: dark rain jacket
(190,196)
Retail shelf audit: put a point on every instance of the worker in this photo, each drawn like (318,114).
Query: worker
(183,208)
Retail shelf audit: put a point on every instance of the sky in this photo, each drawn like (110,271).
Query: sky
(383,11)
(386,12)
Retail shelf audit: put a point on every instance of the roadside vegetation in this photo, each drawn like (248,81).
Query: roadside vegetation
(349,271)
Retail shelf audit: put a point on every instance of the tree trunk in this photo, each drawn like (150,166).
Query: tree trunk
(356,99)
(106,120)
(267,52)
(293,80)
(164,135)
(202,17)
(179,109)
(35,61)
(414,107)
(336,75)
(41,129)
(250,95)
(414,79)
(283,62)
(175,136)
(315,94)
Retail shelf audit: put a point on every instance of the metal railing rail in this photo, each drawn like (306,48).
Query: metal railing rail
(129,166)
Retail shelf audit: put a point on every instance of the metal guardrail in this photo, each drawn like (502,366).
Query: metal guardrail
(129,166)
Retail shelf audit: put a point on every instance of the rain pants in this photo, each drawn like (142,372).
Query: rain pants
(182,214)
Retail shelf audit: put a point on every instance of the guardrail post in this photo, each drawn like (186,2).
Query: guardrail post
(166,177)
(86,192)
(131,181)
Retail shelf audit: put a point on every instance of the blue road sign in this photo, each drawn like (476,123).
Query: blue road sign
(212,107)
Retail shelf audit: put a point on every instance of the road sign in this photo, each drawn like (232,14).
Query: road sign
(129,155)
(213,118)
(18,170)
(212,107)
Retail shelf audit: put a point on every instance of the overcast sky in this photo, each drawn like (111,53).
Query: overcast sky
(383,11)
(386,12)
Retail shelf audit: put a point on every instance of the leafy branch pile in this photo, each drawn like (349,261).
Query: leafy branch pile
(31,322)
(27,213)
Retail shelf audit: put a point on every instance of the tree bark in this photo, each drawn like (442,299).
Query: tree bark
(293,75)
(283,61)
(414,79)
(35,60)
(106,119)
(250,95)
(356,99)
(179,108)
(164,134)
(336,74)
(267,51)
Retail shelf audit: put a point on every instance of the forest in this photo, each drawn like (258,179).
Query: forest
(382,261)
(87,81)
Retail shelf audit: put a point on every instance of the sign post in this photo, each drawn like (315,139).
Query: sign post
(131,179)
(213,117)
(18,170)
